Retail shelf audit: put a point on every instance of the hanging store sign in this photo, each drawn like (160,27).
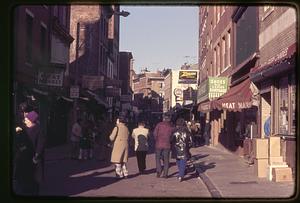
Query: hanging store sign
(51,78)
(74,92)
(92,82)
(212,88)
(188,77)
(217,86)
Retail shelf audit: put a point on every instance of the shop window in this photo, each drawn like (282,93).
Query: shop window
(283,106)
(293,105)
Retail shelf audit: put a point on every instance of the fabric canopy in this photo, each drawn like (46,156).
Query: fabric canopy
(236,98)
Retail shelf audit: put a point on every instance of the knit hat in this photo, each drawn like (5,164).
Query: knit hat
(32,116)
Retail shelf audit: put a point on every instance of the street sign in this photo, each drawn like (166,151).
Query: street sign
(74,92)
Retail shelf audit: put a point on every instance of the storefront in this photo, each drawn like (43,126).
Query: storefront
(230,114)
(277,88)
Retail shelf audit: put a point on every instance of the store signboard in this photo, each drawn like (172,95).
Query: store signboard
(74,92)
(188,77)
(212,88)
(202,92)
(217,86)
(51,78)
(92,82)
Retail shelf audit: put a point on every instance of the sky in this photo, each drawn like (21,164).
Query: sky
(160,36)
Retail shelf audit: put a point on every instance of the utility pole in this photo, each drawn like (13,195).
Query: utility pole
(76,70)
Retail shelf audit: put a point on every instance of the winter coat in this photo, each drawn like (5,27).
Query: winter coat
(140,136)
(182,141)
(119,137)
(24,167)
(38,142)
(162,135)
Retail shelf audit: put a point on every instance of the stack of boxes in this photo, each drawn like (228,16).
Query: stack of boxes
(278,170)
(260,149)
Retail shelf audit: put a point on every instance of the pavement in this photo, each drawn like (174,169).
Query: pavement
(218,174)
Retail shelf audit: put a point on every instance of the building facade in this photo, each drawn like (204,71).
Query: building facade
(275,76)
(41,45)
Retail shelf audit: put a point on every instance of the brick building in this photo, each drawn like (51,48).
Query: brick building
(148,94)
(96,65)
(41,44)
(275,76)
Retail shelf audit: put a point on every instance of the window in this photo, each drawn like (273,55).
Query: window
(215,60)
(218,66)
(223,66)
(228,51)
(43,43)
(267,10)
(29,37)
(293,105)
(55,11)
(218,14)
(283,106)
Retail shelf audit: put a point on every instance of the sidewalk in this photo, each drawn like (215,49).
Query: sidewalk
(229,175)
(223,175)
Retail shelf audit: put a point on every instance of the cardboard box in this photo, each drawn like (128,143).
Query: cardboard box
(274,146)
(271,167)
(261,167)
(282,174)
(275,159)
(260,148)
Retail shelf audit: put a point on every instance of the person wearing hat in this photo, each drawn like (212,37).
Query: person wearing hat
(119,155)
(32,129)
(38,142)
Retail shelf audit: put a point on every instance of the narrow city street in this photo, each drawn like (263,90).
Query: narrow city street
(221,175)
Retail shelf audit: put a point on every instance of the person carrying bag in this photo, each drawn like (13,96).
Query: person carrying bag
(119,155)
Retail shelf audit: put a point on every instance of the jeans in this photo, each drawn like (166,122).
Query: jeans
(181,164)
(165,155)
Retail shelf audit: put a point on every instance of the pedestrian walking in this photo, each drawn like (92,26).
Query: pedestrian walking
(119,155)
(140,136)
(85,141)
(76,133)
(162,135)
(182,141)
(195,133)
(31,146)
(207,132)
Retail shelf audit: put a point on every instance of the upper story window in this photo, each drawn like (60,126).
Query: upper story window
(43,41)
(29,37)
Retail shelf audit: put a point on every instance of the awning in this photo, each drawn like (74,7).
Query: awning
(275,66)
(98,99)
(235,99)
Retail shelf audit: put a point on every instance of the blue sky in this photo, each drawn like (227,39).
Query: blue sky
(160,36)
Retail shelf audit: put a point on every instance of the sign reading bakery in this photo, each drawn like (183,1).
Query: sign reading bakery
(188,76)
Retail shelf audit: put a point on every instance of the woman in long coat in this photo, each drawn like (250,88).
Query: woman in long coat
(119,155)
(37,142)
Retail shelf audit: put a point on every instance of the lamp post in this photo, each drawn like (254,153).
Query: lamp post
(75,106)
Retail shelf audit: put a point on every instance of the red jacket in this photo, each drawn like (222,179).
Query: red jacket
(162,135)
